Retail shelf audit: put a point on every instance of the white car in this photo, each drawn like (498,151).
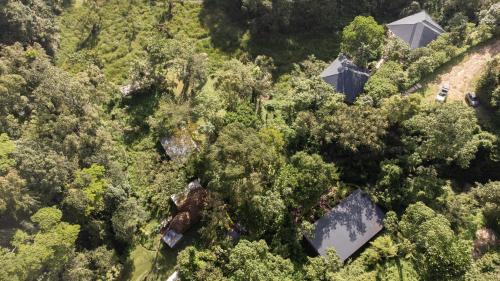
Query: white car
(443,93)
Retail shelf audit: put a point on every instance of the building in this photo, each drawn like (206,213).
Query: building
(189,213)
(345,77)
(417,30)
(348,226)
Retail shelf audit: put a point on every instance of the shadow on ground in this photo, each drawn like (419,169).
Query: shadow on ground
(230,33)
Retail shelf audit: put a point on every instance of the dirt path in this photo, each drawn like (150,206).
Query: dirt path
(463,76)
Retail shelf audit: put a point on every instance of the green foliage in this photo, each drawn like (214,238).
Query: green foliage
(305,180)
(254,261)
(15,198)
(388,81)
(488,196)
(439,253)
(362,39)
(93,184)
(488,87)
(44,253)
(242,166)
(6,149)
(322,268)
(354,127)
(29,22)
(447,132)
(127,219)
(195,265)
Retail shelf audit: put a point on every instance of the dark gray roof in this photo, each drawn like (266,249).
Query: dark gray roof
(345,77)
(348,226)
(417,30)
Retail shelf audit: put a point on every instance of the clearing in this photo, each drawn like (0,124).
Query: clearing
(463,75)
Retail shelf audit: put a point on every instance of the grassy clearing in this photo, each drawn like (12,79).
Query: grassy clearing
(462,73)
(124,28)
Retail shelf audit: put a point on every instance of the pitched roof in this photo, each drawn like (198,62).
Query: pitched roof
(417,30)
(345,77)
(348,226)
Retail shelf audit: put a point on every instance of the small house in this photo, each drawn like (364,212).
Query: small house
(345,77)
(189,213)
(417,30)
(348,226)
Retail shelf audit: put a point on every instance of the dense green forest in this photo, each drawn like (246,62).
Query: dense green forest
(85,183)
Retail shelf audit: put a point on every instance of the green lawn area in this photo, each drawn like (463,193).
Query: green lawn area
(158,264)
(142,262)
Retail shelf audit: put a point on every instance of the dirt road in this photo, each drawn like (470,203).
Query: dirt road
(464,75)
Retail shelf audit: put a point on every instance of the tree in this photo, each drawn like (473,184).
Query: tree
(387,81)
(488,196)
(7,148)
(354,127)
(127,219)
(238,82)
(253,261)
(305,180)
(322,268)
(440,254)
(91,181)
(45,253)
(241,166)
(362,39)
(98,264)
(29,22)
(198,265)
(15,198)
(447,132)
(171,62)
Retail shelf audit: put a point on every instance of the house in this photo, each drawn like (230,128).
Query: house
(417,30)
(348,226)
(345,77)
(189,213)
(178,145)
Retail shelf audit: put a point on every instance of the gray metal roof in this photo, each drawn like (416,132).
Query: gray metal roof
(417,30)
(348,226)
(345,77)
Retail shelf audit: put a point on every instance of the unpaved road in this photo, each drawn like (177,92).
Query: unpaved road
(464,75)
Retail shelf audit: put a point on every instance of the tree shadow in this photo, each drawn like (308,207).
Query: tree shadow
(225,24)
(230,33)
(349,225)
(139,107)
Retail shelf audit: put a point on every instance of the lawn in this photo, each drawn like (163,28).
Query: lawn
(159,263)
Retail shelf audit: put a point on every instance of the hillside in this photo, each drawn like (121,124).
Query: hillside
(249,140)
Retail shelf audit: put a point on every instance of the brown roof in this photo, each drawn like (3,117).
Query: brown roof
(190,211)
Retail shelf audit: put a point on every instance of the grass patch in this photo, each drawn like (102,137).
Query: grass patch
(124,26)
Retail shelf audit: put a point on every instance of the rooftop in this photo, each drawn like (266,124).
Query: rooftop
(348,226)
(345,77)
(417,30)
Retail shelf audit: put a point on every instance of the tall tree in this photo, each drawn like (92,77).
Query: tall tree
(362,39)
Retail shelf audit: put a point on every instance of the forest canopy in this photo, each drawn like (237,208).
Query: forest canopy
(114,113)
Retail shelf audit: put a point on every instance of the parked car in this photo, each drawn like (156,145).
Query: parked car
(471,99)
(443,93)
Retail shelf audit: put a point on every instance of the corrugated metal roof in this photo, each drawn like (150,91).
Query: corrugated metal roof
(417,30)
(348,226)
(345,77)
